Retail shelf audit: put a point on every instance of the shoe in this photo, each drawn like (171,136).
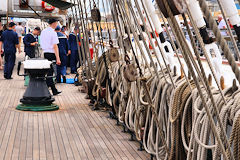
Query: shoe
(73,72)
(56,92)
(8,78)
(58,81)
(64,79)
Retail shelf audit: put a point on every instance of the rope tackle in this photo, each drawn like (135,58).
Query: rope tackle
(151,77)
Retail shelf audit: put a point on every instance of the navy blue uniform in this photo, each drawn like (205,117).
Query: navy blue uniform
(10,40)
(74,57)
(28,48)
(1,38)
(63,47)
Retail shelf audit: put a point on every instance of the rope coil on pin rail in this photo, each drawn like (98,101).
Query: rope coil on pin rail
(149,97)
(195,126)
(201,42)
(138,7)
(180,35)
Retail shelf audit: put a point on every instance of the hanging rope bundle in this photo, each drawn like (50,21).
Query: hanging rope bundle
(180,97)
(174,117)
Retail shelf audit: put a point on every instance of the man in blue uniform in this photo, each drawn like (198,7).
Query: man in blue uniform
(74,57)
(10,42)
(1,53)
(30,41)
(64,50)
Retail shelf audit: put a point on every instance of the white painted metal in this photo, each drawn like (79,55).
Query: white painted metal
(196,13)
(215,58)
(151,12)
(37,64)
(231,11)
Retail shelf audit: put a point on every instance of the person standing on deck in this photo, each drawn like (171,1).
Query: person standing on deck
(64,51)
(10,42)
(1,55)
(19,30)
(64,31)
(74,56)
(222,25)
(30,41)
(49,44)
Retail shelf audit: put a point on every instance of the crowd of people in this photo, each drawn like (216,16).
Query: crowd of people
(55,43)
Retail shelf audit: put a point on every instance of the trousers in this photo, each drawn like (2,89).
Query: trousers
(50,57)
(10,59)
(74,58)
(61,71)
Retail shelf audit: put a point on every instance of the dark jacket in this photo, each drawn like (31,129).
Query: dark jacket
(73,42)
(63,47)
(28,49)
(10,40)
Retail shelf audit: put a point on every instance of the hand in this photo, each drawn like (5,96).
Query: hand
(69,52)
(58,62)
(19,51)
(34,43)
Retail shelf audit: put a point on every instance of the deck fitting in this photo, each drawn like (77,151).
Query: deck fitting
(24,107)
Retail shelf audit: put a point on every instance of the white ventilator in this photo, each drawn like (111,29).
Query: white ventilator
(215,57)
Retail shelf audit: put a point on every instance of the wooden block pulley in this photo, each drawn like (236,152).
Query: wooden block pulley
(130,72)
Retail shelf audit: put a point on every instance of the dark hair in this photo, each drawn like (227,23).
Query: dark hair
(11,24)
(20,23)
(76,28)
(4,27)
(63,28)
(57,28)
(52,20)
(37,28)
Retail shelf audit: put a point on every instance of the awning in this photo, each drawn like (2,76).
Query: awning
(59,4)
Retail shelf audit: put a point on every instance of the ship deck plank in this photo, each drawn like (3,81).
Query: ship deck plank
(72,132)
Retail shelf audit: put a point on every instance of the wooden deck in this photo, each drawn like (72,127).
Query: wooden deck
(73,132)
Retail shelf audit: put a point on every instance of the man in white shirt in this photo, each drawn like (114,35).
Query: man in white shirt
(48,42)
(222,25)
(19,31)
